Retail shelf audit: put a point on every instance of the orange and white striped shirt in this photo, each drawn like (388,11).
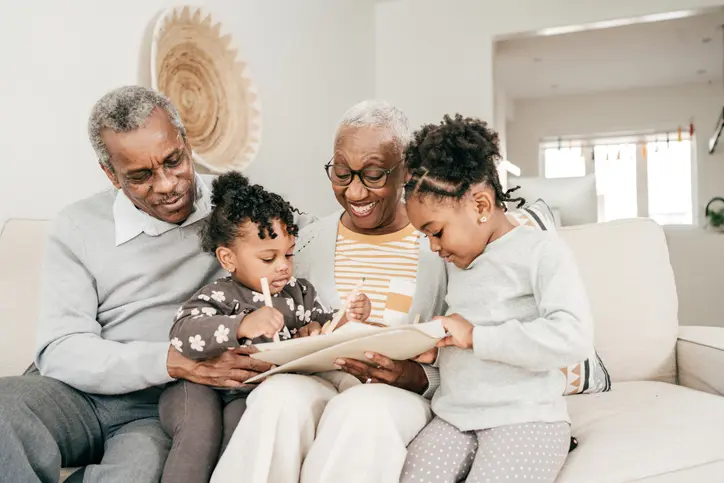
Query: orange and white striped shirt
(389,265)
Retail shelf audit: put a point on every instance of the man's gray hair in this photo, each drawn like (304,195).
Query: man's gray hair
(380,114)
(127,109)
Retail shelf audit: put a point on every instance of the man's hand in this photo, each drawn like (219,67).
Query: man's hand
(230,370)
(312,328)
(407,375)
(266,321)
(460,330)
(359,308)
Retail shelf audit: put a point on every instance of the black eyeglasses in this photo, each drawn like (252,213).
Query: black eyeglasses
(371,176)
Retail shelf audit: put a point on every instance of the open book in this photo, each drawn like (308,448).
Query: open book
(317,354)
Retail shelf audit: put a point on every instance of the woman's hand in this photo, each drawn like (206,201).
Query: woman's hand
(460,330)
(377,368)
(312,328)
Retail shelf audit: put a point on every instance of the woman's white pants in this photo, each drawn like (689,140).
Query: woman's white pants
(304,428)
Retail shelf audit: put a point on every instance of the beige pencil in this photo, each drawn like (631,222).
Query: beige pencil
(268,300)
(338,316)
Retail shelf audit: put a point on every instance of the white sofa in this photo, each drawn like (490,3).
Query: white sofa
(662,422)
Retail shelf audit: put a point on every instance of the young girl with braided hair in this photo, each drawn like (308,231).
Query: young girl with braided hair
(252,234)
(517,313)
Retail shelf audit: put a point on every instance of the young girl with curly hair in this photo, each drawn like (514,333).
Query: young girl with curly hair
(517,312)
(252,234)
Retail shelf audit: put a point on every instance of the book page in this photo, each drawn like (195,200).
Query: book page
(288,350)
(398,343)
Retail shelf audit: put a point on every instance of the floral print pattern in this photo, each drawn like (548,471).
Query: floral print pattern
(197,343)
(178,345)
(210,319)
(222,334)
(303,315)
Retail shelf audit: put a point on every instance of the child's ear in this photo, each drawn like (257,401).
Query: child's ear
(226,258)
(484,203)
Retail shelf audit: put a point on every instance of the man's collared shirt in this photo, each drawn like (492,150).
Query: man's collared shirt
(131,222)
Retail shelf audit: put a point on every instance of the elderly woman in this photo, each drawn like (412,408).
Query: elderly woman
(326,429)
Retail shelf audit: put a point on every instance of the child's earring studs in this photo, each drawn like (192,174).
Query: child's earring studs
(483,219)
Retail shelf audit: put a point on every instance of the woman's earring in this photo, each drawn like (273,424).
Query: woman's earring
(483,219)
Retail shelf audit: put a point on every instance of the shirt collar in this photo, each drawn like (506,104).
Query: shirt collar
(131,222)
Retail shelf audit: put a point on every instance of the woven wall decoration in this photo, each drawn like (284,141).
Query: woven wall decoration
(199,70)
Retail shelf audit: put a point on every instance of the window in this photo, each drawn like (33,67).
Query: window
(647,175)
(564,162)
(615,168)
(669,172)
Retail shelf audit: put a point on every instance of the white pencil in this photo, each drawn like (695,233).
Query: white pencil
(268,300)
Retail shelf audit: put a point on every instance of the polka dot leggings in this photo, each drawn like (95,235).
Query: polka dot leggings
(441,453)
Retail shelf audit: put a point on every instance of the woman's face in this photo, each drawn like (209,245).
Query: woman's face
(369,210)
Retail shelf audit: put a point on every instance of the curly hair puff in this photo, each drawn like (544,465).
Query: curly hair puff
(234,202)
(445,159)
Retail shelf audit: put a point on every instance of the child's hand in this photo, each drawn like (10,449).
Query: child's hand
(460,330)
(312,328)
(359,308)
(427,357)
(265,321)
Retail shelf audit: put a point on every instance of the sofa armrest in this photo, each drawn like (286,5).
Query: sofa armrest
(700,358)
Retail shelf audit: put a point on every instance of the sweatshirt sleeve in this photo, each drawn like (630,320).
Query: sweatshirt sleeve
(207,324)
(563,332)
(319,313)
(69,346)
(432,373)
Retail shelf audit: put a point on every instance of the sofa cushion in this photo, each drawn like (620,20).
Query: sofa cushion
(646,429)
(630,284)
(21,255)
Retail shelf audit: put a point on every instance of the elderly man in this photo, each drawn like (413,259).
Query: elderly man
(118,265)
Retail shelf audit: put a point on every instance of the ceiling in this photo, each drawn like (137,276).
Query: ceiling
(661,53)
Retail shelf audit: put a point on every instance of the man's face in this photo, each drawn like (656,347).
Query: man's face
(153,167)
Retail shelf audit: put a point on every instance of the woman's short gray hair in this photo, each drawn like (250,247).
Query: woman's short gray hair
(127,109)
(380,114)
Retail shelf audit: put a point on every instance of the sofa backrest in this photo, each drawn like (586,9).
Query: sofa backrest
(624,264)
(625,267)
(22,244)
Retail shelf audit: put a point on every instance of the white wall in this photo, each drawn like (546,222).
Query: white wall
(634,110)
(310,60)
(435,57)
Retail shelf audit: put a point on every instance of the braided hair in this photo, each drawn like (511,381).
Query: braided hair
(234,202)
(446,159)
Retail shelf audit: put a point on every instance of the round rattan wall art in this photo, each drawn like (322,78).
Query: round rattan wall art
(198,69)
